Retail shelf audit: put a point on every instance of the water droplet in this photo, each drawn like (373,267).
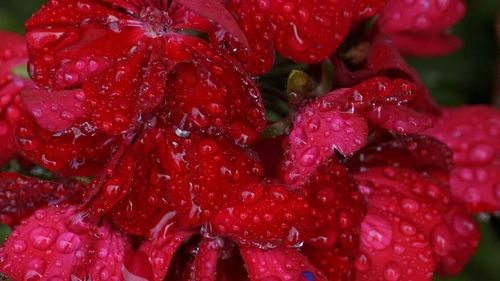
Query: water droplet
(392,272)
(67,242)
(43,237)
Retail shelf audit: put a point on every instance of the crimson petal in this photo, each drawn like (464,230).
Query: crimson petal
(20,196)
(279,264)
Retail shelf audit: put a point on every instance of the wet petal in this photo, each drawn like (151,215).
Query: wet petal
(79,151)
(298,21)
(258,57)
(413,216)
(321,212)
(152,260)
(279,264)
(52,244)
(204,265)
(20,196)
(420,153)
(110,249)
(54,111)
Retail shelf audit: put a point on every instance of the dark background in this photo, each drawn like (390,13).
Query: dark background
(470,75)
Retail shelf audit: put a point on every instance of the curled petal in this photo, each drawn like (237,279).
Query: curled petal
(152,260)
(53,244)
(10,113)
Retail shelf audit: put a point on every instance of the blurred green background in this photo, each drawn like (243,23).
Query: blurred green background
(469,75)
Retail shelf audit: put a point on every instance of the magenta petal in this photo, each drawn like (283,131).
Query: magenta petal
(279,264)
(426,45)
(110,251)
(54,111)
(53,244)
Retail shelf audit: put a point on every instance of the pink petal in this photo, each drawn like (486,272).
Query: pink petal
(53,244)
(109,252)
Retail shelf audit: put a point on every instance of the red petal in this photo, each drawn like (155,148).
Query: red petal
(384,58)
(79,151)
(12,54)
(279,264)
(53,244)
(174,176)
(465,236)
(432,16)
(215,10)
(472,132)
(320,213)
(297,24)
(10,112)
(110,251)
(337,264)
(20,196)
(212,92)
(317,134)
(152,260)
(477,186)
(421,214)
(400,119)
(204,266)
(258,57)
(426,45)
(54,111)
(420,153)
(387,253)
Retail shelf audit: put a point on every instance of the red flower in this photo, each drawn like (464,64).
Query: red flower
(338,121)
(472,133)
(420,28)
(12,54)
(56,244)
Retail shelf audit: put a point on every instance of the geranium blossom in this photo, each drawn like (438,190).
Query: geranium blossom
(150,117)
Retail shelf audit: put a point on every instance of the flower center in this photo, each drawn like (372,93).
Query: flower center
(156,22)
